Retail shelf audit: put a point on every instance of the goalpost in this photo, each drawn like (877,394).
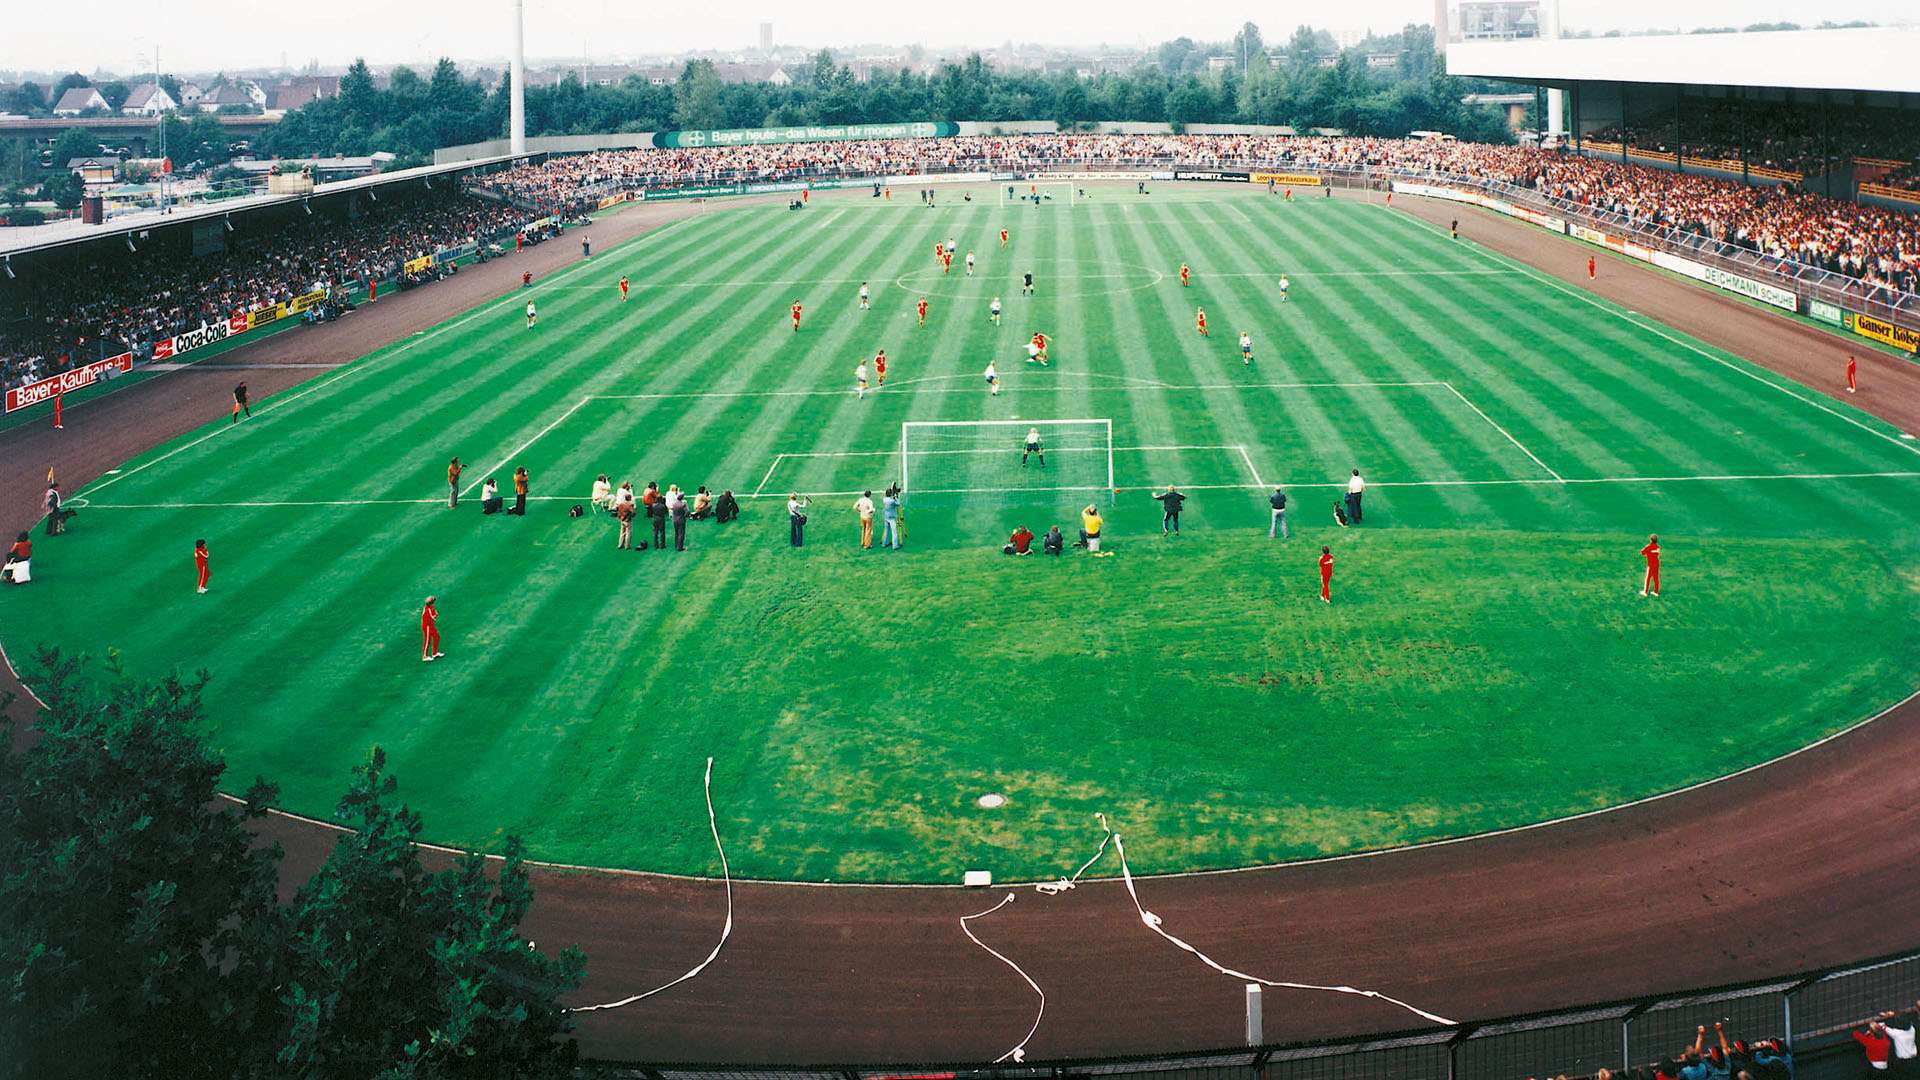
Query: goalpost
(969,457)
(1051,192)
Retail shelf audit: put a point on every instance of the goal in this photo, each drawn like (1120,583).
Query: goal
(982,457)
(1050,192)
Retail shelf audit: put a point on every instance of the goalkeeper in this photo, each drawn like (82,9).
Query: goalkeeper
(1033,448)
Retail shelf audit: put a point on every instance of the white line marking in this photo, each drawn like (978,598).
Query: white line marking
(517,451)
(367,363)
(1244,456)
(1019,1051)
(726,929)
(1153,923)
(1477,411)
(1006,389)
(769,476)
(1259,485)
(1661,333)
(1009,450)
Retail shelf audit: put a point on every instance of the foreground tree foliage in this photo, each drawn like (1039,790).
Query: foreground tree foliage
(141,934)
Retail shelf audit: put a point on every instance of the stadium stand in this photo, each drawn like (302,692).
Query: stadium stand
(103,298)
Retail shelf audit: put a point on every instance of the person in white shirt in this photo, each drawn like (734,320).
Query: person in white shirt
(1284,286)
(863,296)
(602,494)
(1246,348)
(1033,446)
(864,507)
(530,314)
(796,520)
(993,378)
(994,311)
(969,264)
(1355,488)
(860,380)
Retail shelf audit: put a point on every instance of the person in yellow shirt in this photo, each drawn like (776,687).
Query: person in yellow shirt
(1090,524)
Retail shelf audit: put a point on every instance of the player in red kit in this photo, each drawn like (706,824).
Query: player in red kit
(430,632)
(939,251)
(57,395)
(1184,274)
(921,308)
(880,366)
(1003,238)
(1326,575)
(796,316)
(200,563)
(1200,321)
(623,288)
(1651,583)
(1853,386)
(946,263)
(1591,268)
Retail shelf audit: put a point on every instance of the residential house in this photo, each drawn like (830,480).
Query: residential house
(78,100)
(300,90)
(233,93)
(96,172)
(148,100)
(190,95)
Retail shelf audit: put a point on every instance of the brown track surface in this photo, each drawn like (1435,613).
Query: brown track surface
(1797,865)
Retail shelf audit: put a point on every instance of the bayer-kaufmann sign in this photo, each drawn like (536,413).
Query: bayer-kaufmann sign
(924,129)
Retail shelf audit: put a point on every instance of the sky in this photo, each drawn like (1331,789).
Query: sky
(213,35)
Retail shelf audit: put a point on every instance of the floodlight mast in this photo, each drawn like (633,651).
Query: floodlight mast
(517,83)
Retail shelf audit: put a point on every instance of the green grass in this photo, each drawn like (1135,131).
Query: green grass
(1487,662)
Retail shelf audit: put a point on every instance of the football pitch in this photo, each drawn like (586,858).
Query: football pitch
(1487,661)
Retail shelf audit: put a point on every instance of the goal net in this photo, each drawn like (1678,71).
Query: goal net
(1047,192)
(984,457)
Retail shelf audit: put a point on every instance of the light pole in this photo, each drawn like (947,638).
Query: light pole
(517,83)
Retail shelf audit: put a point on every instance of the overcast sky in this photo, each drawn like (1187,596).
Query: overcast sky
(206,35)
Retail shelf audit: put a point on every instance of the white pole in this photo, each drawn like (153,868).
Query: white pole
(517,83)
(1556,98)
(1256,1018)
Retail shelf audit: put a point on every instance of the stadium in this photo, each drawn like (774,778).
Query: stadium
(1346,731)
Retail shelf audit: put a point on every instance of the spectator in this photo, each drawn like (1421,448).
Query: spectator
(454,468)
(1278,523)
(1875,1044)
(1053,543)
(677,507)
(726,507)
(55,507)
(796,520)
(890,517)
(490,500)
(18,569)
(623,513)
(522,484)
(602,493)
(864,507)
(1356,487)
(1020,543)
(656,510)
(702,505)
(1090,526)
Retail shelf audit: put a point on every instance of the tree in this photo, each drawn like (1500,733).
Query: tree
(131,890)
(357,95)
(26,98)
(697,97)
(388,967)
(66,83)
(172,86)
(116,93)
(1248,47)
(74,143)
(64,188)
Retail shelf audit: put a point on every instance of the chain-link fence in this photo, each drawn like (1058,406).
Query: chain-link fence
(1573,1042)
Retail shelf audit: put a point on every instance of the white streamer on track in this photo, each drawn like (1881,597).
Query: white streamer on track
(1055,888)
(726,930)
(1152,922)
(1019,1051)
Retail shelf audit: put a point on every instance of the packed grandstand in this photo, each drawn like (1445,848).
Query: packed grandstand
(129,300)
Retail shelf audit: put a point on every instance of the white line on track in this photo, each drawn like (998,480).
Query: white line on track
(1244,456)
(1019,1051)
(1523,449)
(726,928)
